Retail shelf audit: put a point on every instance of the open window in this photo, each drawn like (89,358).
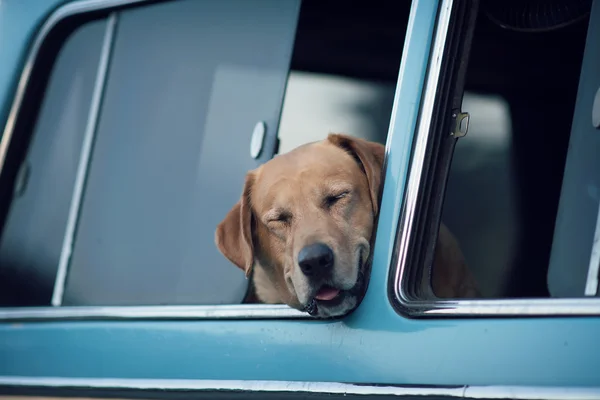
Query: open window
(519,190)
(138,124)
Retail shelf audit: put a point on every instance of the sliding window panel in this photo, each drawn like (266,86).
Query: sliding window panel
(188,83)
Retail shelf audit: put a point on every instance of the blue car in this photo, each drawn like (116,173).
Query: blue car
(127,127)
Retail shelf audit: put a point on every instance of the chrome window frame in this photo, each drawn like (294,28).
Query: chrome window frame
(398,273)
(199,387)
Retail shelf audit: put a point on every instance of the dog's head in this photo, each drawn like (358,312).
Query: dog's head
(307,218)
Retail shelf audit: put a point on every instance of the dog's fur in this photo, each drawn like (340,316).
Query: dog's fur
(323,192)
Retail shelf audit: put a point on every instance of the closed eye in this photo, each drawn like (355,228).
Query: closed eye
(279,218)
(333,199)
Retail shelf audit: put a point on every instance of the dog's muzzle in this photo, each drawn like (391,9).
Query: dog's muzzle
(329,296)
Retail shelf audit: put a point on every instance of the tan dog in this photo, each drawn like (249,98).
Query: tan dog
(305,223)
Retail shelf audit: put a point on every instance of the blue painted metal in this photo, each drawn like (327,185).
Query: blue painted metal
(372,345)
(18,25)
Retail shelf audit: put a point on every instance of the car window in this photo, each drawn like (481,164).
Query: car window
(144,137)
(185,84)
(520,195)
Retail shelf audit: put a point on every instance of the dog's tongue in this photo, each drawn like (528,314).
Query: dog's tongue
(327,293)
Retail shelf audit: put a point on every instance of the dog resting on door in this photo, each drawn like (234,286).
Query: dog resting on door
(304,228)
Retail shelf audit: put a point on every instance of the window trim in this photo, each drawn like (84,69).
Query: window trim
(199,386)
(229,311)
(399,269)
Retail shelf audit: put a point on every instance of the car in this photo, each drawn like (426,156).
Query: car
(127,129)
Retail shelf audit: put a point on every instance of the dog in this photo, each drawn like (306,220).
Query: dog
(305,223)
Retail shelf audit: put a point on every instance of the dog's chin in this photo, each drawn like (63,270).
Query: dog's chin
(334,306)
(340,305)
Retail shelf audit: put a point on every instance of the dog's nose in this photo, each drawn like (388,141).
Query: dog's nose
(315,259)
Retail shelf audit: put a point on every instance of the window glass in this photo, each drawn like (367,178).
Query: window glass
(188,82)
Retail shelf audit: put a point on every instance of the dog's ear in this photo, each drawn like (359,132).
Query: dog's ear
(234,234)
(370,156)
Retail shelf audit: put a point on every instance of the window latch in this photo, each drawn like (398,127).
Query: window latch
(460,125)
